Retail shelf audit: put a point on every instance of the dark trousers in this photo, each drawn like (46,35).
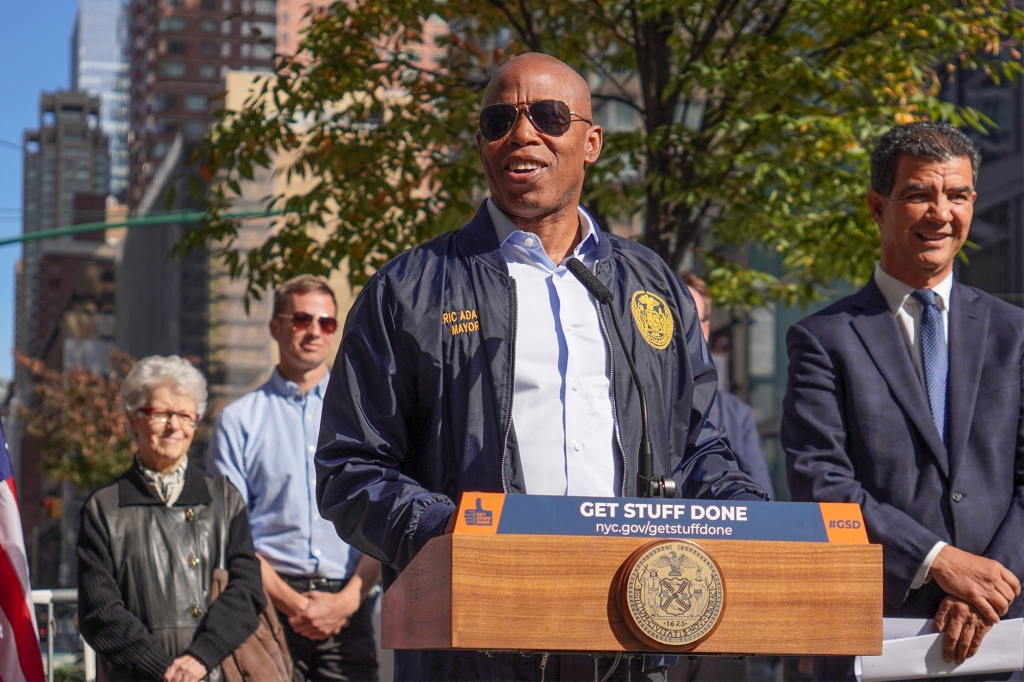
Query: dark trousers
(476,666)
(349,655)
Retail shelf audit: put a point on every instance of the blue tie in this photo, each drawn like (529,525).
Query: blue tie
(934,357)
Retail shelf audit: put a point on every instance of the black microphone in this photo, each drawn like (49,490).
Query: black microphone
(646,485)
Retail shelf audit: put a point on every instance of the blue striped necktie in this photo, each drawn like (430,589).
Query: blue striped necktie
(934,357)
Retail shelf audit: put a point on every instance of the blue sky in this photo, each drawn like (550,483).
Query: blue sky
(34,49)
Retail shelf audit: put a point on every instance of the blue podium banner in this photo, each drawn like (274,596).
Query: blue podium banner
(500,514)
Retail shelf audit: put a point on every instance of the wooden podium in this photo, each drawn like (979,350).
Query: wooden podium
(489,590)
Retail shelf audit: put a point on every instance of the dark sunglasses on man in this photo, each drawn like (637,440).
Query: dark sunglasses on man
(301,321)
(549,116)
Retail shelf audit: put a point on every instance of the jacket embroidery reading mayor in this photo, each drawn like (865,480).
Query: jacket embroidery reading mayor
(461,321)
(653,319)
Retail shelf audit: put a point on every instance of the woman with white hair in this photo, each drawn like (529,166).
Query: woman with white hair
(149,543)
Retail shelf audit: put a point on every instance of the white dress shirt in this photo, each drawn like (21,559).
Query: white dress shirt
(908,313)
(561,409)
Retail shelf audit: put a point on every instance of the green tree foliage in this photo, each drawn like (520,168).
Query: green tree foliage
(79,422)
(753,119)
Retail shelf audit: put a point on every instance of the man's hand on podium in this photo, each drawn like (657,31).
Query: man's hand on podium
(983,583)
(964,627)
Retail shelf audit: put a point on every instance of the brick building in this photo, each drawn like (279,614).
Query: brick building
(179,53)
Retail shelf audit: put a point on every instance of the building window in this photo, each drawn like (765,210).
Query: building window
(226,5)
(244,50)
(262,52)
(264,6)
(195,103)
(165,101)
(160,149)
(1000,102)
(208,71)
(209,5)
(193,129)
(207,25)
(172,69)
(171,24)
(165,126)
(990,263)
(225,49)
(617,116)
(207,48)
(266,29)
(174,4)
(175,46)
(225,27)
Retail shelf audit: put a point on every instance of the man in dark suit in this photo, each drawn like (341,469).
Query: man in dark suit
(906,398)
(728,411)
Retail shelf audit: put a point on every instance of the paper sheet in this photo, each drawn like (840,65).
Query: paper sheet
(913,650)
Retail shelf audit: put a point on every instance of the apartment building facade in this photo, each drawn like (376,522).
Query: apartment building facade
(179,54)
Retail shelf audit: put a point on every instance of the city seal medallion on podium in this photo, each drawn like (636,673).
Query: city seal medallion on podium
(671,594)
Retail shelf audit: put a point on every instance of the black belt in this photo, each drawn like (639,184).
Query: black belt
(313,583)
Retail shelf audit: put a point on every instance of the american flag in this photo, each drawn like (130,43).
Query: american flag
(20,658)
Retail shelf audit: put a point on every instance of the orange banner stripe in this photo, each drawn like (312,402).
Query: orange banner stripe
(844,523)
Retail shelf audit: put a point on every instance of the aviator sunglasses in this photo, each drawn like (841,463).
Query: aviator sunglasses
(549,116)
(301,321)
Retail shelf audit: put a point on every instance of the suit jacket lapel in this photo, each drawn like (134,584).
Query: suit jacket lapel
(876,327)
(968,331)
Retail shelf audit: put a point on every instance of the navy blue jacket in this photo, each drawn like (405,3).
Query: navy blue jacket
(857,428)
(417,412)
(736,417)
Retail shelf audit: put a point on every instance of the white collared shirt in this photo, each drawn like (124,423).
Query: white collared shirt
(908,313)
(561,407)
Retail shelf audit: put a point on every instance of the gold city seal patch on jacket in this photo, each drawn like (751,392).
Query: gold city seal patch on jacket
(653,319)
(671,594)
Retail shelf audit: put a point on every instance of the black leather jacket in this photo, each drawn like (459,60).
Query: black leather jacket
(144,572)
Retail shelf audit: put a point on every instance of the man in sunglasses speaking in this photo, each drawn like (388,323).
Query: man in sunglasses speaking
(478,362)
(264,444)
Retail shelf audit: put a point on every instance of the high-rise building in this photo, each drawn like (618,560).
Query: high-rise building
(293,17)
(64,302)
(179,54)
(99,67)
(995,257)
(65,157)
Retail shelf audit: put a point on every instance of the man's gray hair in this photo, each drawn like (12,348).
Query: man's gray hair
(934,141)
(155,371)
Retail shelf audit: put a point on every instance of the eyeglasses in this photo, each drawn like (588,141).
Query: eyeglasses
(301,321)
(162,416)
(549,116)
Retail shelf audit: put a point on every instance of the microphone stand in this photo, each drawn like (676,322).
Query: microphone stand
(646,484)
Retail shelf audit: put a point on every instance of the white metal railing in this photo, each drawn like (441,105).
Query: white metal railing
(64,596)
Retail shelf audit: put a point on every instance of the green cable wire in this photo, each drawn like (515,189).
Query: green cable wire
(148,221)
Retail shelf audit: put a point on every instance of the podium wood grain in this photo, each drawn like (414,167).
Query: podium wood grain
(550,593)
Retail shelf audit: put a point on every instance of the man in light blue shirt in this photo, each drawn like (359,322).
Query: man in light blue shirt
(264,444)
